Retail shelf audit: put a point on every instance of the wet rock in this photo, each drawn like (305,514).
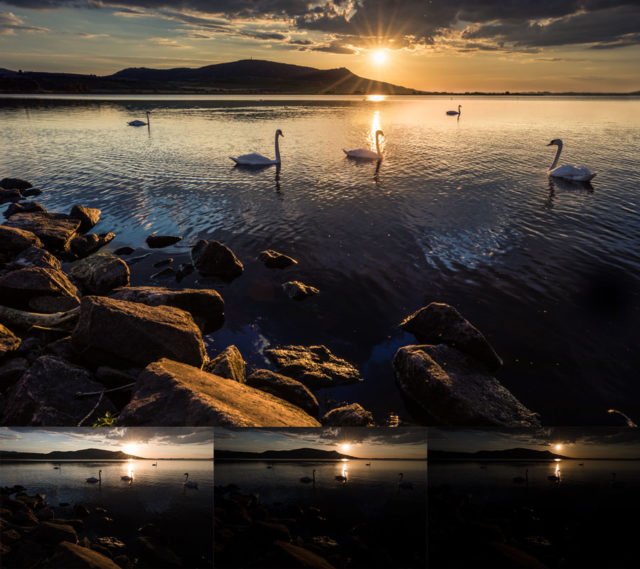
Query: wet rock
(14,183)
(9,342)
(163,263)
(139,258)
(354,415)
(54,230)
(276,260)
(81,511)
(112,544)
(111,330)
(124,251)
(87,216)
(184,270)
(100,273)
(212,258)
(24,207)
(440,323)
(163,274)
(11,371)
(228,364)
(13,241)
(297,290)
(10,195)
(72,556)
(84,245)
(291,555)
(31,192)
(314,366)
(63,349)
(159,241)
(172,394)
(53,304)
(36,257)
(155,552)
(45,395)
(205,305)
(285,388)
(18,287)
(453,389)
(52,533)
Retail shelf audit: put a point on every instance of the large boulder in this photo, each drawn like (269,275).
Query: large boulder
(53,533)
(212,258)
(46,395)
(13,241)
(9,342)
(168,393)
(18,287)
(229,364)
(54,229)
(73,556)
(35,257)
(285,388)
(11,370)
(24,207)
(314,366)
(87,216)
(131,333)
(290,555)
(100,273)
(276,260)
(297,290)
(83,245)
(353,415)
(17,183)
(205,305)
(453,389)
(440,323)
(12,195)
(158,241)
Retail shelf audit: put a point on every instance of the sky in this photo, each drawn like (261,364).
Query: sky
(144,442)
(407,443)
(574,442)
(434,45)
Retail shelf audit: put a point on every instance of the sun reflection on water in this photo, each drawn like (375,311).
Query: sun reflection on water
(376,125)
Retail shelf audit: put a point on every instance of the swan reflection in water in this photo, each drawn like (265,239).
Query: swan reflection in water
(344,476)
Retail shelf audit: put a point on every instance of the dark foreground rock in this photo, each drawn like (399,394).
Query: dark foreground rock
(73,556)
(9,342)
(297,290)
(314,366)
(14,183)
(228,364)
(454,390)
(87,216)
(159,241)
(285,388)
(84,245)
(45,395)
(21,286)
(205,305)
(24,207)
(168,393)
(353,415)
(212,258)
(113,331)
(100,273)
(35,257)
(54,230)
(296,556)
(12,195)
(14,240)
(276,260)
(440,323)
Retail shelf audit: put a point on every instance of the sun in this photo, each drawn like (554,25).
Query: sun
(558,446)
(130,448)
(345,447)
(379,56)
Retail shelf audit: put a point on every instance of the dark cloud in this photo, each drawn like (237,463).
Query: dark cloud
(10,24)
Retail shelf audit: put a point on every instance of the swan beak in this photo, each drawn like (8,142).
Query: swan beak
(550,144)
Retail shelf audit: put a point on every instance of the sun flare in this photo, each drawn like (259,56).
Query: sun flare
(558,446)
(131,448)
(379,56)
(345,447)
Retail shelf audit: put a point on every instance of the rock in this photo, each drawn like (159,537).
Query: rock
(14,183)
(314,366)
(285,388)
(53,304)
(111,377)
(87,216)
(44,396)
(111,330)
(168,393)
(24,207)
(291,555)
(18,287)
(276,260)
(453,389)
(157,553)
(9,342)
(205,305)
(297,290)
(100,273)
(163,263)
(11,371)
(10,195)
(269,531)
(184,270)
(13,241)
(36,257)
(124,251)
(212,258)
(72,556)
(228,364)
(353,415)
(440,323)
(164,273)
(84,245)
(54,229)
(159,241)
(52,533)
(31,192)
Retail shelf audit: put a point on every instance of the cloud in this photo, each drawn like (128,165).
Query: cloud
(10,24)
(167,42)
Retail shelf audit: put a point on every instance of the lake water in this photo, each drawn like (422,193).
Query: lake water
(461,211)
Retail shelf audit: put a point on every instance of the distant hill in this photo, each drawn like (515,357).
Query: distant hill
(295,454)
(507,454)
(85,454)
(246,76)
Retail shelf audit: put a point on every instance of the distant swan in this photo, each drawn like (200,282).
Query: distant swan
(189,483)
(139,122)
(94,480)
(258,160)
(404,485)
(127,478)
(307,480)
(454,113)
(341,478)
(365,153)
(568,172)
(155,464)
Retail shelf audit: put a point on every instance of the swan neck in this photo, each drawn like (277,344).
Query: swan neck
(378,143)
(555,160)
(277,149)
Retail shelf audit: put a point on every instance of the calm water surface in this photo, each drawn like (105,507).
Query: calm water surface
(461,211)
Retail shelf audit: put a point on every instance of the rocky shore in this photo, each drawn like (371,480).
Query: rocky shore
(79,344)
(34,533)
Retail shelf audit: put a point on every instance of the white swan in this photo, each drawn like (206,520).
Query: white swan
(307,480)
(258,160)
(365,153)
(127,478)
(139,122)
(94,480)
(568,171)
(189,483)
(454,113)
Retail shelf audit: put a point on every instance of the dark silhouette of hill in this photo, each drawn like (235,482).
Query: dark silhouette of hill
(84,454)
(506,454)
(294,454)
